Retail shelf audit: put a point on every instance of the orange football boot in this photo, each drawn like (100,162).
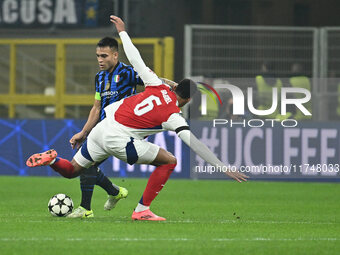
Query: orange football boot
(41,159)
(146,215)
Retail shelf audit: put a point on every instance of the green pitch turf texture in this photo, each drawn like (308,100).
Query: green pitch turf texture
(203,217)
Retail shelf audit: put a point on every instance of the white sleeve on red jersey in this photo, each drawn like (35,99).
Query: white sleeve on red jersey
(199,148)
(147,75)
(175,123)
(178,124)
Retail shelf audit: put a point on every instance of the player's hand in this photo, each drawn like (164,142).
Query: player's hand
(77,140)
(236,175)
(120,26)
(171,83)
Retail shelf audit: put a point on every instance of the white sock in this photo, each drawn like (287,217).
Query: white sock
(52,162)
(141,208)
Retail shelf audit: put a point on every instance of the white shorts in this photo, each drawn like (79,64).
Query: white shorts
(106,140)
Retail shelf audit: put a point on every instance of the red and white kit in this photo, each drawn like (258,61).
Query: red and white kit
(130,120)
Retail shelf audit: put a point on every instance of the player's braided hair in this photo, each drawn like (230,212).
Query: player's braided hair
(108,42)
(186,88)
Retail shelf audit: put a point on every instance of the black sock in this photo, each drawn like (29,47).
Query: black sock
(106,184)
(87,181)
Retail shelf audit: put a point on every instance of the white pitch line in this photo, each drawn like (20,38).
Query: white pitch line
(257,239)
(189,221)
(276,239)
(200,222)
(255,221)
(281,222)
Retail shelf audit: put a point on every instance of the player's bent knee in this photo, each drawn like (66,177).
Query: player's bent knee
(77,169)
(173,161)
(164,158)
(171,158)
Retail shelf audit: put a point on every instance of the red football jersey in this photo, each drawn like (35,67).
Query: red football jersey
(148,109)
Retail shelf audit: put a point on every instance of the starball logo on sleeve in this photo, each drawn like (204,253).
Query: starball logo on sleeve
(287,97)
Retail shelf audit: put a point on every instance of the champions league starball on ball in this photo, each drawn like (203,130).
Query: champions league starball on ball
(60,205)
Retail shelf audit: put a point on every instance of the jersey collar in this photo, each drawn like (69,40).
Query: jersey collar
(114,69)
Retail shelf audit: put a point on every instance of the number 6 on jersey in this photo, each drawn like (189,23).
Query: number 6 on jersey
(146,105)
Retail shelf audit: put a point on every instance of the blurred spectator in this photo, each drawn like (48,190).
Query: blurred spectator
(297,69)
(267,71)
(265,82)
(299,79)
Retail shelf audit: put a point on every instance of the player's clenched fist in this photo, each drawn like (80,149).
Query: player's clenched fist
(120,26)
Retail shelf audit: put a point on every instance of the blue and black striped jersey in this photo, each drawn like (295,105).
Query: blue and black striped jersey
(112,87)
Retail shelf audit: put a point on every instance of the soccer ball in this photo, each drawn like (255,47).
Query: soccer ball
(60,205)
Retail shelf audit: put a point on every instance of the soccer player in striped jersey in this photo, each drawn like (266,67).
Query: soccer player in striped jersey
(127,123)
(114,81)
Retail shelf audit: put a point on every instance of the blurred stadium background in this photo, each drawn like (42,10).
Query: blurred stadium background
(47,67)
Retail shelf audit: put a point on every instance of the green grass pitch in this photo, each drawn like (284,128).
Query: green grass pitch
(203,217)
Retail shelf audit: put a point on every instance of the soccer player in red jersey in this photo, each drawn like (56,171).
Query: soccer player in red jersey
(128,122)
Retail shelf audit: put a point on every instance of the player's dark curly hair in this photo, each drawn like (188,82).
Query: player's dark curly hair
(186,88)
(108,42)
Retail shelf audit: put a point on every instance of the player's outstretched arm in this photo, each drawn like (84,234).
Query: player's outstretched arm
(203,151)
(130,50)
(133,55)
(178,124)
